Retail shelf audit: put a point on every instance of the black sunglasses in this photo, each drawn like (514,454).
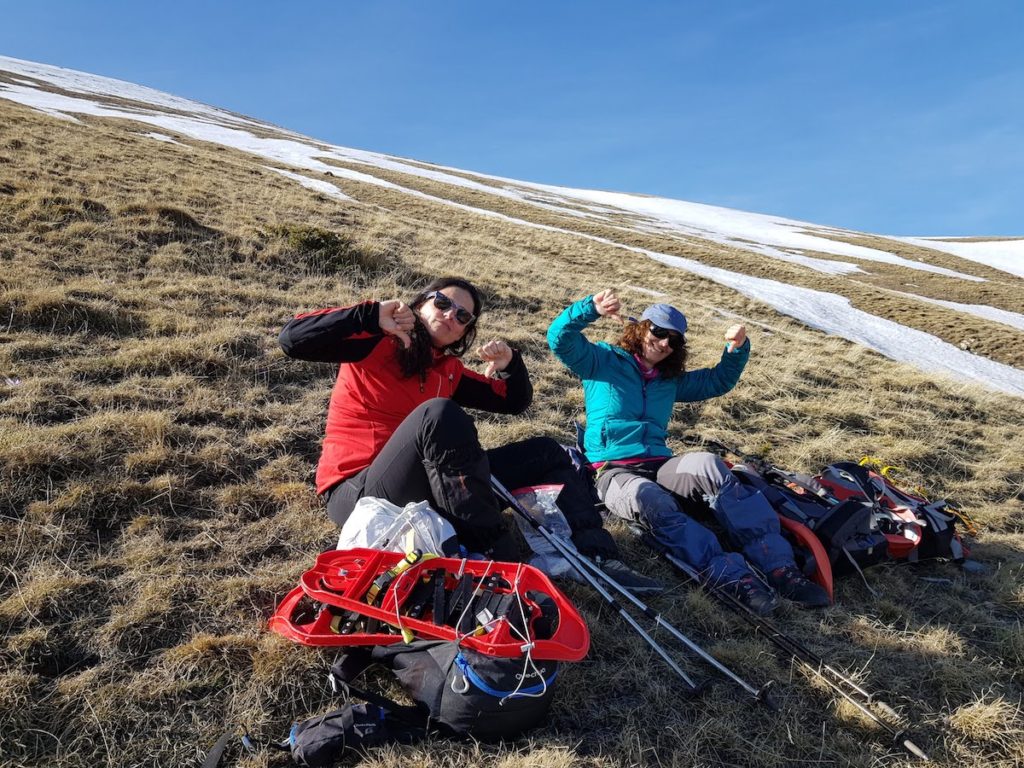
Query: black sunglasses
(675,338)
(442,302)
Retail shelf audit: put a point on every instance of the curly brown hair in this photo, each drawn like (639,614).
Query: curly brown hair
(632,340)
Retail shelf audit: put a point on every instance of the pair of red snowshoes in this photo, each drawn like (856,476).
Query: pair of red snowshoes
(373,597)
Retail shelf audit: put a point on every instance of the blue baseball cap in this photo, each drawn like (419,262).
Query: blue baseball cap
(665,316)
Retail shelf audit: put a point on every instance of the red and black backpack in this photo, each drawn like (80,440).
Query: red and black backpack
(850,517)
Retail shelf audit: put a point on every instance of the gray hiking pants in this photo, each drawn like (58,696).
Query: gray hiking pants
(650,495)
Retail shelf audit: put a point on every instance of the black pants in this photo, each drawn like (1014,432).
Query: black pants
(435,454)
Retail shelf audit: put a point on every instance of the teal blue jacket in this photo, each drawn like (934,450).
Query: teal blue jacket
(627,418)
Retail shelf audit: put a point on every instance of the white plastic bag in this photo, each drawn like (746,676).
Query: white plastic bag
(539,501)
(379,524)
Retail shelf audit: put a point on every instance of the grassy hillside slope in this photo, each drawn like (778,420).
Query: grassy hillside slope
(157,453)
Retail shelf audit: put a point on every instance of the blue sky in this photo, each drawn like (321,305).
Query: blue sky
(902,118)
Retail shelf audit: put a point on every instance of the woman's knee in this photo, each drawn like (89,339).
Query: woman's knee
(443,423)
(441,412)
(659,511)
(699,473)
(637,499)
(545,449)
(705,464)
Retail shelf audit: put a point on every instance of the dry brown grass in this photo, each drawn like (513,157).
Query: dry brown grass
(157,454)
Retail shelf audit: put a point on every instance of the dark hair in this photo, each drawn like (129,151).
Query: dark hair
(632,340)
(420,354)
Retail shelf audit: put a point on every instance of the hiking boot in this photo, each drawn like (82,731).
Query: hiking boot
(629,579)
(793,585)
(753,594)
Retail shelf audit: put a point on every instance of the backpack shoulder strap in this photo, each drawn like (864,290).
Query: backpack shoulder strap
(407,714)
(350,665)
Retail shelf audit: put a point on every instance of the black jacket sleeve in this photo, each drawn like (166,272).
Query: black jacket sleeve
(342,335)
(511,395)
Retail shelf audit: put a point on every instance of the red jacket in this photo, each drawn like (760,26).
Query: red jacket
(371,397)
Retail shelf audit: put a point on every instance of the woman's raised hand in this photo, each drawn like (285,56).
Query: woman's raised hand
(396,319)
(497,354)
(607,303)
(735,336)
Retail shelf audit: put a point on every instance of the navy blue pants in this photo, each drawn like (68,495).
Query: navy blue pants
(652,495)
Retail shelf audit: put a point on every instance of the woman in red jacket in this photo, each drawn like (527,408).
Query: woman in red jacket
(396,428)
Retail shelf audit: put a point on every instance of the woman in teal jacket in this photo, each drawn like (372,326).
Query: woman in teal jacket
(630,389)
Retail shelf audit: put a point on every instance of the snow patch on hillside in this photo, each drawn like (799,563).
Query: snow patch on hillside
(1013,319)
(768,235)
(317,185)
(1007,255)
(161,137)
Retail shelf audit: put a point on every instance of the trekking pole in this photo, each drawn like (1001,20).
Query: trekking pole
(810,660)
(762,694)
(573,558)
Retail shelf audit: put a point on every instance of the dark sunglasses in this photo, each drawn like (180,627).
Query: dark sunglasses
(675,338)
(462,315)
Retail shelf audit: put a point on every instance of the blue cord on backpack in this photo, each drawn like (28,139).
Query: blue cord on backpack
(479,682)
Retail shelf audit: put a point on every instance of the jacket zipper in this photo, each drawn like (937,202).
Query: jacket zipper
(643,414)
(440,383)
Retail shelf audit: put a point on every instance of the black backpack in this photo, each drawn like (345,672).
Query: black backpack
(325,739)
(458,693)
(463,692)
(847,529)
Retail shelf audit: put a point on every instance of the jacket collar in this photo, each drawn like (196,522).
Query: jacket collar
(627,355)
